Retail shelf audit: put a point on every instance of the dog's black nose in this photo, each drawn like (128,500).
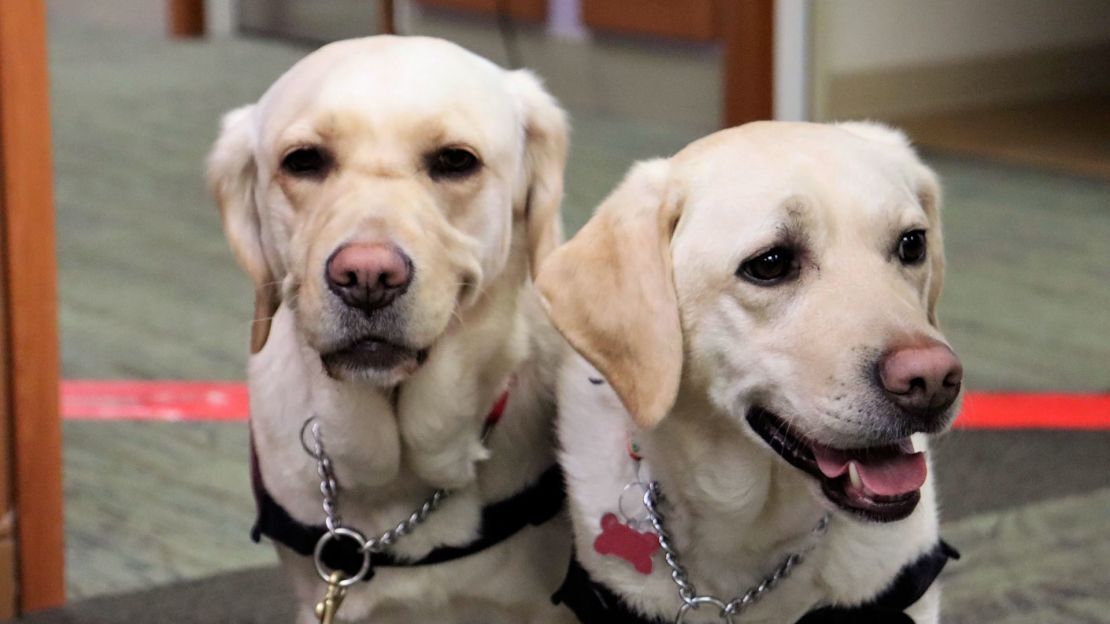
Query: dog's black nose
(922,378)
(368,276)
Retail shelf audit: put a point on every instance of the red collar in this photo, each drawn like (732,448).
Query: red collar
(498,409)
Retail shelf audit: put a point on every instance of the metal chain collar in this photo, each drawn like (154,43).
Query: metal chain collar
(691,600)
(329,488)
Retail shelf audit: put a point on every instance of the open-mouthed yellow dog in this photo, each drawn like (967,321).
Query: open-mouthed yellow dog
(760,371)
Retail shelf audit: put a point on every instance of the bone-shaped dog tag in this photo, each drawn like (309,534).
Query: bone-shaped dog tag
(622,541)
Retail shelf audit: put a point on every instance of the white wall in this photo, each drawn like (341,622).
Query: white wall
(792,63)
(862,35)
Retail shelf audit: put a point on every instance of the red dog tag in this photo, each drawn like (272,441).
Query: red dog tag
(621,540)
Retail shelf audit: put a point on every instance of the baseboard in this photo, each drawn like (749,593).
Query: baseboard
(903,91)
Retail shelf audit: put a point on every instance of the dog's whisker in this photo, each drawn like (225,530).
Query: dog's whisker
(458,317)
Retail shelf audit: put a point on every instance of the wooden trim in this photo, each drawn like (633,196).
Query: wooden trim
(8,574)
(523,10)
(387,17)
(748,28)
(185,18)
(8,577)
(27,229)
(694,20)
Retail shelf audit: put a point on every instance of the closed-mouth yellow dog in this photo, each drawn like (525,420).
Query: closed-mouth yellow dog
(389,197)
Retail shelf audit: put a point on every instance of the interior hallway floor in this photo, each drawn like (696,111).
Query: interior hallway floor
(149,291)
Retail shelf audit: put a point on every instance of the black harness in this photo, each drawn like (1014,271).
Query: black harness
(594,603)
(534,505)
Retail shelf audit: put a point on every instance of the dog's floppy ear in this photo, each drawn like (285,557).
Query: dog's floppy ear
(232,176)
(929,195)
(546,139)
(610,291)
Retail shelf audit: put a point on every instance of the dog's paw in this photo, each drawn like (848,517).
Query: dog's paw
(451,468)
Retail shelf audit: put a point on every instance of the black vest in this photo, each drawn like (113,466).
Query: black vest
(594,603)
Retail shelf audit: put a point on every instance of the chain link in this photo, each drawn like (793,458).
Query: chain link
(406,526)
(691,600)
(329,489)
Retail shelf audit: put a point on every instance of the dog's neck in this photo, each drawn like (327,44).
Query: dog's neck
(746,507)
(392,447)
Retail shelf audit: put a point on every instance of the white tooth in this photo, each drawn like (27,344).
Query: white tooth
(853,475)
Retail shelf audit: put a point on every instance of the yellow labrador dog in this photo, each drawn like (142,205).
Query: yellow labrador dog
(757,322)
(388,197)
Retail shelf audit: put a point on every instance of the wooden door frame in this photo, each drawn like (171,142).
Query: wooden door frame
(748,33)
(28,281)
(185,18)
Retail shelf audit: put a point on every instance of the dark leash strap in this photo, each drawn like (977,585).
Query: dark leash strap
(594,603)
(535,505)
(888,607)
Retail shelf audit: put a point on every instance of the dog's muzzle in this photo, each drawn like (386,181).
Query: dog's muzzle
(878,483)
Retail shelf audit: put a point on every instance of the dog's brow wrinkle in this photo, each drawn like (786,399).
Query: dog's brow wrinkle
(792,230)
(795,208)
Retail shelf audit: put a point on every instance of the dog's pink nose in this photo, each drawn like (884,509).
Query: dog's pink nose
(923,378)
(368,275)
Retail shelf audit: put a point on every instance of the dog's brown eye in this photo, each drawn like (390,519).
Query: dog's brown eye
(307,162)
(452,162)
(769,268)
(911,247)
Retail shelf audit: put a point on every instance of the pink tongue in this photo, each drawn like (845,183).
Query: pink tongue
(893,475)
(832,462)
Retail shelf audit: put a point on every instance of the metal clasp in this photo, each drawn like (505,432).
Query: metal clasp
(696,603)
(329,606)
(318,556)
(337,582)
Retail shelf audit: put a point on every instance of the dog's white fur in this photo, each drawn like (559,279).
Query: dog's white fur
(648,291)
(379,106)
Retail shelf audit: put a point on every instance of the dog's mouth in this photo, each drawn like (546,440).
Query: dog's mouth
(878,483)
(372,354)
